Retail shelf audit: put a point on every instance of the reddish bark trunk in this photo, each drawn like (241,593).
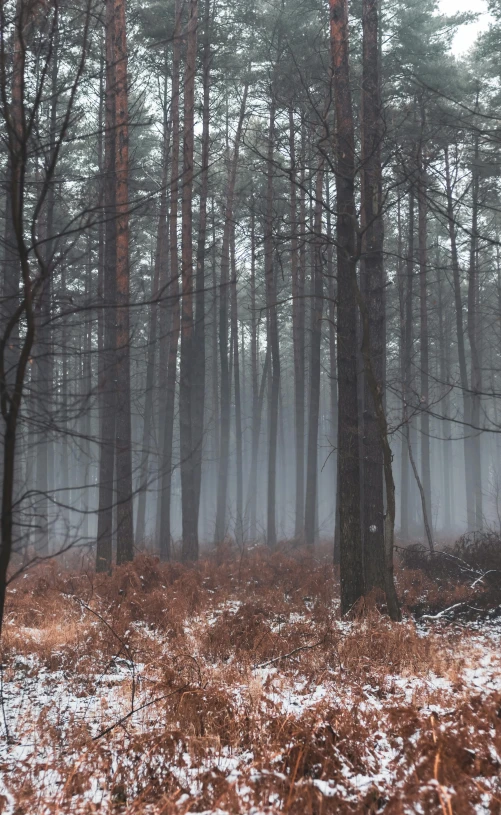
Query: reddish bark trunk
(108,371)
(125,530)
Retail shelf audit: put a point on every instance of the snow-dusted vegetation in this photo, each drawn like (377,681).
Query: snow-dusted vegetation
(235,687)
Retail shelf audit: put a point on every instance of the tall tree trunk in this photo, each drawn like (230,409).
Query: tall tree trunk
(474,327)
(222,485)
(272,325)
(12,270)
(15,135)
(251,502)
(44,334)
(188,491)
(424,335)
(42,389)
(158,272)
(198,387)
(497,465)
(256,433)
(238,402)
(297,338)
(108,364)
(315,366)
(333,427)
(244,415)
(62,447)
(389,520)
(172,293)
(100,286)
(86,427)
(463,371)
(372,285)
(301,316)
(351,560)
(406,375)
(214,336)
(100,239)
(125,529)
(446,425)
(102,381)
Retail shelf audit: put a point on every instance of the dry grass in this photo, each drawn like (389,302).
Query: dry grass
(266,701)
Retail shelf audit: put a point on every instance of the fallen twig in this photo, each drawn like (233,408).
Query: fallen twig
(484,574)
(2,705)
(441,613)
(136,710)
(286,656)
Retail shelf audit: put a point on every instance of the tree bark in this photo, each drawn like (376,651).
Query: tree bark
(108,364)
(406,339)
(160,263)
(214,342)
(198,388)
(389,520)
(86,384)
(251,502)
(473,325)
(372,284)
(238,402)
(424,335)
(188,490)
(297,338)
(351,560)
(446,425)
(44,384)
(315,366)
(222,485)
(172,328)
(332,364)
(125,529)
(463,371)
(272,325)
(12,275)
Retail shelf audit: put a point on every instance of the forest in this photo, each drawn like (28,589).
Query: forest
(250,438)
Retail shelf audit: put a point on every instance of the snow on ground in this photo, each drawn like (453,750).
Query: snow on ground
(52,716)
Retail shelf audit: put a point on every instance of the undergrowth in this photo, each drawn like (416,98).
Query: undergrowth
(234,686)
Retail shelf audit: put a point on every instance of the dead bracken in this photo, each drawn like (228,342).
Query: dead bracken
(236,687)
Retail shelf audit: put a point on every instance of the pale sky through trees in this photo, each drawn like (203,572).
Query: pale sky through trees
(466,34)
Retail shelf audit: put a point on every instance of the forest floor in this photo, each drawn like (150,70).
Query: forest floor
(235,687)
